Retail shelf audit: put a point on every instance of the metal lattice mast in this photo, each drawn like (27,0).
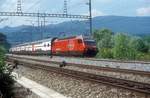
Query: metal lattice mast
(65,7)
(90,14)
(19,6)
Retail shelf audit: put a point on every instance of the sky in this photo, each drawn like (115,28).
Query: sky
(99,8)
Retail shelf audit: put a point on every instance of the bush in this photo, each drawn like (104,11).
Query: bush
(6,80)
(2,59)
(105,53)
(6,85)
(143,56)
(132,54)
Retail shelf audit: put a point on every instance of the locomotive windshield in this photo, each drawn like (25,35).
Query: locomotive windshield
(90,42)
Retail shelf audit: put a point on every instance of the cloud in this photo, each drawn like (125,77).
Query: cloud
(8,5)
(144,11)
(97,13)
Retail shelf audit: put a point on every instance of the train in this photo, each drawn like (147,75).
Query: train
(69,46)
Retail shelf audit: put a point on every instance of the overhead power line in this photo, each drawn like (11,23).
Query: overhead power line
(44,15)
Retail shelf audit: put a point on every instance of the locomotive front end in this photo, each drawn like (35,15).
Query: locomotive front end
(90,48)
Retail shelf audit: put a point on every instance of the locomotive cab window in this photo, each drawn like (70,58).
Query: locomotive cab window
(90,43)
(79,41)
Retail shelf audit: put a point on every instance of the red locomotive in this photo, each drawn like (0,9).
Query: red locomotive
(75,46)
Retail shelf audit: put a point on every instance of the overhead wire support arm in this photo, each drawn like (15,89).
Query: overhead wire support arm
(44,15)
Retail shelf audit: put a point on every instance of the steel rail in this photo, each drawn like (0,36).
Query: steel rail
(127,71)
(115,82)
(110,60)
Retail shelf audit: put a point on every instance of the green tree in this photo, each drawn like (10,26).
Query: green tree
(2,59)
(138,44)
(103,38)
(105,53)
(3,41)
(6,79)
(6,85)
(147,41)
(122,49)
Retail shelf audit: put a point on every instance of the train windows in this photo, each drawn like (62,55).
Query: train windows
(79,41)
(48,45)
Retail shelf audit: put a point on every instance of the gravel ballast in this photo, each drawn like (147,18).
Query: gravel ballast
(127,76)
(75,88)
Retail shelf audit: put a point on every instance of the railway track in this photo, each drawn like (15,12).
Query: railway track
(109,69)
(105,60)
(142,66)
(108,60)
(119,83)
